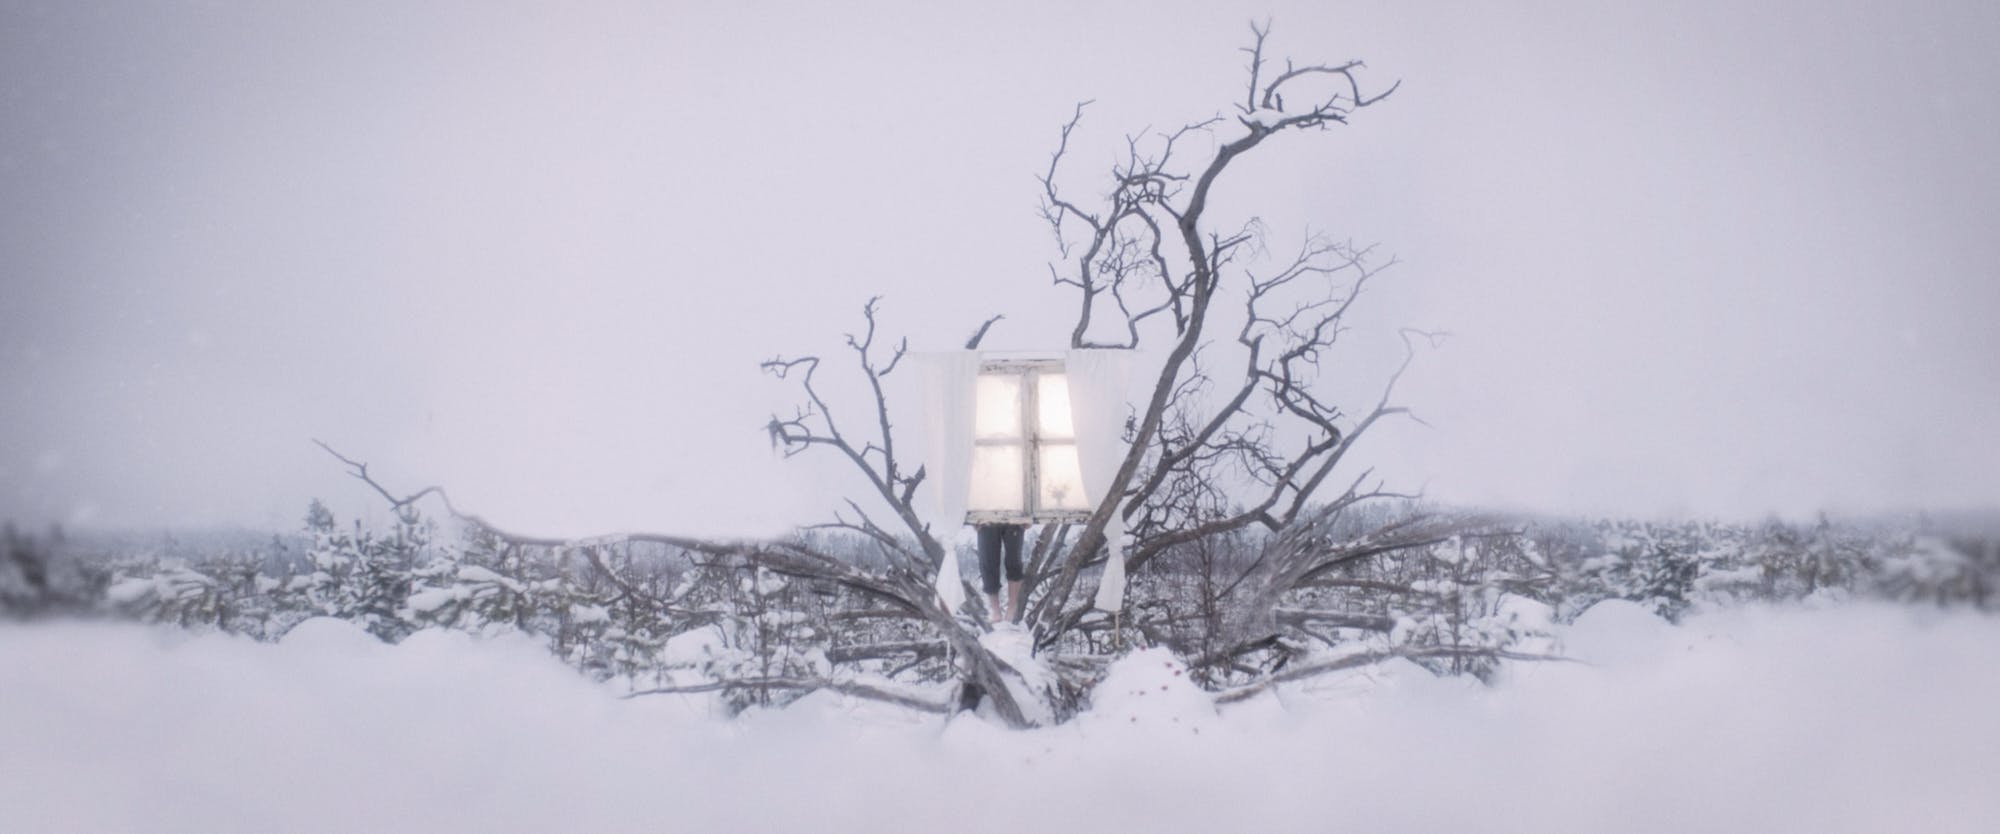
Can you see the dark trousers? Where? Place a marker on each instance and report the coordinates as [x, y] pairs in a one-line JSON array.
[[993, 538]]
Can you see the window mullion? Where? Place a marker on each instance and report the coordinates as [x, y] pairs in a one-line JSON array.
[[1031, 442]]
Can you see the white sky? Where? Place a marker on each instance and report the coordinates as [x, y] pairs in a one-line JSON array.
[[1695, 258]]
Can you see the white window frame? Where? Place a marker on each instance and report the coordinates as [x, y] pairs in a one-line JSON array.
[[1031, 442]]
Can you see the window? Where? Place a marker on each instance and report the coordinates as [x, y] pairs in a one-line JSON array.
[[1024, 461]]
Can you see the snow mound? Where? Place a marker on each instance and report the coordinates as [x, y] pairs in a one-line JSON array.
[[1150, 690], [1015, 647], [694, 647], [1852, 719], [1617, 632], [330, 634], [443, 642]]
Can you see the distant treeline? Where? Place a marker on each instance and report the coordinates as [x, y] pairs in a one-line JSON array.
[[654, 616]]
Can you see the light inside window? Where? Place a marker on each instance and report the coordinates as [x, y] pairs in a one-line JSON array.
[[1024, 460], [1061, 479], [996, 479], [998, 407], [1052, 397]]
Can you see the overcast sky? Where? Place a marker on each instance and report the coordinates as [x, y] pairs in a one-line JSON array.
[[1695, 258]]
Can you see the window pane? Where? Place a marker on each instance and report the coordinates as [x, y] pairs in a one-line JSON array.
[[999, 409], [1062, 479], [1052, 395], [996, 479]]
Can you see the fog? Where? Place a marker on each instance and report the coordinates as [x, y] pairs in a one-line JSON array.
[[1693, 258]]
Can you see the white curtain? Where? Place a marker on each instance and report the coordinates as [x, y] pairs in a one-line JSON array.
[[1097, 384], [948, 380]]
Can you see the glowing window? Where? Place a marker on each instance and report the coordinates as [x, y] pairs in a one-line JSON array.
[[1024, 460]]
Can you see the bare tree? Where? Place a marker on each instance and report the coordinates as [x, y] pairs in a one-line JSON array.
[[1218, 448], [904, 587], [1214, 450]]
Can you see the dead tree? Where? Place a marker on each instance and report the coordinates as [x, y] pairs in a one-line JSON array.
[[1216, 448], [913, 551], [905, 586], [1223, 446]]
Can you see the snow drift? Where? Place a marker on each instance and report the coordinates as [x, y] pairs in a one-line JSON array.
[[1852, 718]]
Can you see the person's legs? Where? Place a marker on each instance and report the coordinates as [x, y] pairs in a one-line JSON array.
[[1012, 540], [990, 537]]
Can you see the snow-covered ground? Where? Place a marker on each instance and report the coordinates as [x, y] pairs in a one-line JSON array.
[[1851, 718]]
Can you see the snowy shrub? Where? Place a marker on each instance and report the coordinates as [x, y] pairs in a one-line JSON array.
[[1934, 569], [167, 593], [1458, 605], [1653, 565], [38, 577], [24, 573], [229, 592], [362, 577], [658, 618]]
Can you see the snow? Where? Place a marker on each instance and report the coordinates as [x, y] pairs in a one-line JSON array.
[[1264, 117], [475, 573], [1811, 718], [1014, 646], [331, 636], [432, 600], [171, 584], [1149, 692], [129, 590], [1617, 631], [693, 647]]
